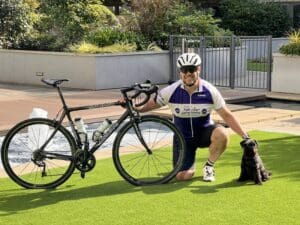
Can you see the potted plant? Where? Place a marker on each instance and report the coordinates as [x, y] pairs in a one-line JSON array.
[[286, 66]]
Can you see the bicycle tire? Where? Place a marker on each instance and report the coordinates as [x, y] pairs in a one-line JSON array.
[[17, 151], [160, 166]]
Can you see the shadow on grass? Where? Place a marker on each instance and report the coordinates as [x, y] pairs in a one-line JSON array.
[[30, 199], [208, 189]]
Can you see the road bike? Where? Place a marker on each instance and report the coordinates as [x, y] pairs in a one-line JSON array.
[[43, 153]]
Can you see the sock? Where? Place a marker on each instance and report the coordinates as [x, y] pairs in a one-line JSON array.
[[209, 163]]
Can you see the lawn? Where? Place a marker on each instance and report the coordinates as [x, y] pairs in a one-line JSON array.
[[257, 66], [103, 197]]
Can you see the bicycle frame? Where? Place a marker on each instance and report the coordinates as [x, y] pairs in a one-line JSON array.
[[67, 113]]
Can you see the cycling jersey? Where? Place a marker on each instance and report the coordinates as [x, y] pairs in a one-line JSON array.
[[191, 112]]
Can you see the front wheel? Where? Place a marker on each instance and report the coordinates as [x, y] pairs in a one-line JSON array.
[[31, 167], [141, 167]]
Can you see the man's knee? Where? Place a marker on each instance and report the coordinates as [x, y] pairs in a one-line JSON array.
[[220, 135], [185, 175]]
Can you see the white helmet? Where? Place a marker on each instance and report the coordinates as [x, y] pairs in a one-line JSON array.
[[188, 59]]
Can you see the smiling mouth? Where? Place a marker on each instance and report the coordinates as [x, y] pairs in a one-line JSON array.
[[191, 83]]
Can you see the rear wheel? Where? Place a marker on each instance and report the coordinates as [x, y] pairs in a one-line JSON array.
[[32, 168], [140, 167]]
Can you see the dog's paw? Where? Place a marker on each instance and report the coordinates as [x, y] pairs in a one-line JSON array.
[[266, 175], [269, 173], [258, 182]]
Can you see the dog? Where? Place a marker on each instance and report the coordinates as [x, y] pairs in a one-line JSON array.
[[252, 167]]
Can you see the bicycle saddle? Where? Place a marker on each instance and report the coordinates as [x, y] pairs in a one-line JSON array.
[[53, 82]]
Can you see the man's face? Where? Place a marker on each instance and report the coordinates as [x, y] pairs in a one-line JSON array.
[[189, 74]]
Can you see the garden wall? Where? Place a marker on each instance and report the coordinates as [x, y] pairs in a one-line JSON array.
[[285, 77], [85, 71]]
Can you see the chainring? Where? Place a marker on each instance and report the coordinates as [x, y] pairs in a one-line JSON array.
[[84, 161]]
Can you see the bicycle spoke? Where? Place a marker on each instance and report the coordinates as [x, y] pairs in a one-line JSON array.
[[27, 164], [151, 167]]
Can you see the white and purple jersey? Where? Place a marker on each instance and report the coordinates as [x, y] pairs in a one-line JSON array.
[[191, 112]]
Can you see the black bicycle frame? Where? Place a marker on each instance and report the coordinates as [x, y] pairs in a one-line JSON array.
[[67, 113]]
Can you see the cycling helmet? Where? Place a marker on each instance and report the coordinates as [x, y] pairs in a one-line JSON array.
[[188, 59]]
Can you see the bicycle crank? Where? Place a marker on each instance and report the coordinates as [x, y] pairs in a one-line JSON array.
[[84, 161]]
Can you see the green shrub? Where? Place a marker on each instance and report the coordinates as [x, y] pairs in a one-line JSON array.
[[61, 23], [110, 36], [153, 47], [172, 17], [253, 17], [294, 37], [293, 47], [184, 19], [14, 22], [290, 49], [120, 47], [84, 48], [93, 49]]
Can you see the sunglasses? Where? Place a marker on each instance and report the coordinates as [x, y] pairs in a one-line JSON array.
[[190, 69]]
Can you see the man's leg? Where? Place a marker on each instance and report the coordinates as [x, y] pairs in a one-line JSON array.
[[188, 169], [219, 140], [185, 174]]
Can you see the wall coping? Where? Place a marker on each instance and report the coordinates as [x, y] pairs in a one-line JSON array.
[[283, 55], [82, 54]]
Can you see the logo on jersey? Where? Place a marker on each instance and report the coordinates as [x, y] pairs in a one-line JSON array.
[[177, 110], [204, 111]]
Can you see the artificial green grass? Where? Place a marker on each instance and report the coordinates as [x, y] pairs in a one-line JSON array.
[[103, 197]]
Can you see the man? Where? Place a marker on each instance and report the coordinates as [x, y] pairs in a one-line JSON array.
[[191, 100]]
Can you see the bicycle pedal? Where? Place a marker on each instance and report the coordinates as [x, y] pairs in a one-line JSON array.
[[82, 175]]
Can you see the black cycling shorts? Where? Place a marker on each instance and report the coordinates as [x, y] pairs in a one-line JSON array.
[[201, 140]]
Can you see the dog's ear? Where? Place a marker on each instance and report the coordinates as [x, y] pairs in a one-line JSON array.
[[255, 142], [242, 143]]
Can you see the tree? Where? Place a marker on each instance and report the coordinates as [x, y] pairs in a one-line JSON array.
[[151, 15], [14, 22], [63, 23], [158, 19], [251, 17]]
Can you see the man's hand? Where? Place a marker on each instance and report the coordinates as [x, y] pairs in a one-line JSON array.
[[122, 102], [246, 136]]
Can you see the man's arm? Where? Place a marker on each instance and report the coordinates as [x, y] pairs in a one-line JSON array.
[[231, 121]]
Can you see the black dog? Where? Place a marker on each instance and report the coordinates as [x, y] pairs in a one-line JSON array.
[[252, 167]]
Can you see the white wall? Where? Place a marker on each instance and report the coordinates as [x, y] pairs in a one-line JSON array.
[[286, 75], [124, 69], [86, 71]]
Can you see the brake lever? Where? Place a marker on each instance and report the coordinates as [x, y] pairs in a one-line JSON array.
[[153, 89]]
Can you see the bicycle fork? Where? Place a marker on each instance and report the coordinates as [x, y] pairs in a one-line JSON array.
[[141, 138]]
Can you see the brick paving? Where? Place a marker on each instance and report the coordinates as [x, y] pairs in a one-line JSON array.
[[17, 102]]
